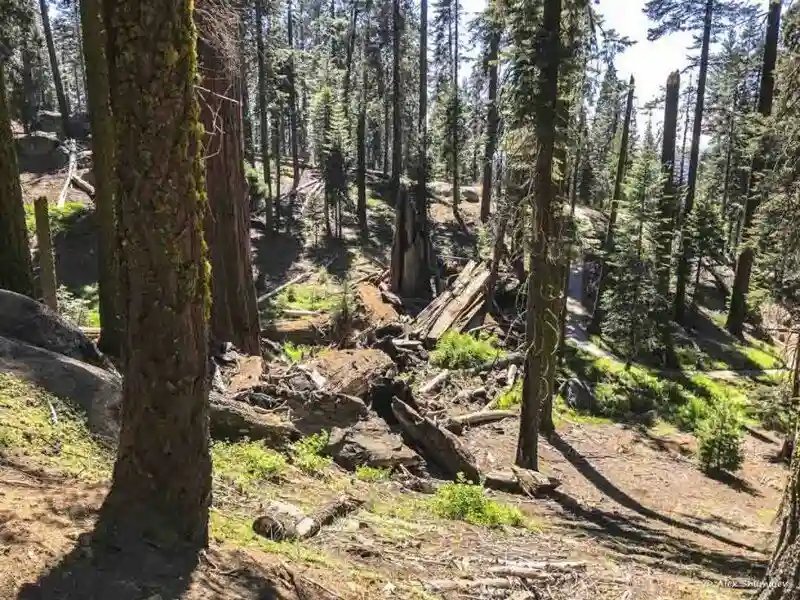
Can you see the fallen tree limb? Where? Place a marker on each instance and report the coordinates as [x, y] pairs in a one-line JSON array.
[[515, 358], [283, 286], [73, 164], [236, 420], [284, 521], [467, 395], [457, 424], [84, 186], [435, 383], [437, 445], [521, 481], [465, 585], [536, 570]]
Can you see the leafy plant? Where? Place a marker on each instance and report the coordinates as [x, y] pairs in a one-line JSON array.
[[246, 463], [464, 501], [720, 440], [367, 473], [511, 397], [307, 455], [461, 350]]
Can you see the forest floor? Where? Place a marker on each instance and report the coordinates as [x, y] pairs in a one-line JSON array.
[[634, 509]]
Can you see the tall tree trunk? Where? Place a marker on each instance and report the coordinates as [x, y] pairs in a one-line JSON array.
[[28, 91], [262, 115], [247, 117], [681, 179], [667, 208], [456, 113], [277, 136], [351, 46], [234, 316], [492, 119], [361, 132], [47, 264], [542, 324], [421, 195], [80, 77], [397, 103], [694, 160], [386, 127], [16, 273], [744, 266], [63, 104], [726, 181], [162, 478], [103, 150], [292, 100], [608, 242]]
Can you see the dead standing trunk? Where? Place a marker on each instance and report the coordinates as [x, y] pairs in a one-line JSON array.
[[161, 487], [744, 266], [234, 316]]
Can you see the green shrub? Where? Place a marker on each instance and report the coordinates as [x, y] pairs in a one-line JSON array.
[[720, 440], [462, 350], [246, 463], [511, 397], [307, 454], [366, 473], [692, 414], [463, 501], [610, 401], [82, 308]]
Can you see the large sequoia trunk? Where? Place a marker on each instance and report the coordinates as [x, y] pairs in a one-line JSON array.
[[234, 315], [162, 478], [99, 103], [543, 283], [15, 257], [744, 266]]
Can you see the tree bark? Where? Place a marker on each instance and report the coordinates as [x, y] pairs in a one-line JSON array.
[[29, 102], [456, 112], [262, 116], [103, 148], [47, 265], [694, 161], [744, 266], [234, 315], [292, 100], [667, 209], [16, 273], [247, 117], [608, 242], [63, 103], [361, 132], [541, 324], [492, 120], [162, 478]]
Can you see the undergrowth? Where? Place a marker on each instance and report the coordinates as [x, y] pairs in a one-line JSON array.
[[306, 454], [60, 218], [372, 474], [468, 502], [247, 463], [461, 350], [38, 427], [511, 397], [297, 353], [82, 308]]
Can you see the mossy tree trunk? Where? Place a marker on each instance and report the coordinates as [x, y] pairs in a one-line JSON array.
[[234, 315], [103, 149], [15, 257], [543, 281], [162, 478]]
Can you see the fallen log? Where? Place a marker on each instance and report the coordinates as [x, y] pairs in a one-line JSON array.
[[457, 424], [237, 420], [436, 445], [307, 331], [536, 570], [84, 186], [469, 395], [284, 285], [515, 358], [521, 481], [73, 164], [466, 585], [435, 383], [284, 521]]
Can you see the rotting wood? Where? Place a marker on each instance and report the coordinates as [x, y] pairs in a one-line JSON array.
[[466, 585], [483, 417], [435, 383], [284, 521], [521, 481], [516, 358], [469, 395], [307, 331], [83, 185], [437, 445]]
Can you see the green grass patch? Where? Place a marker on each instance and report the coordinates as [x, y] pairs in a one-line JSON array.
[[511, 397], [299, 352], [60, 218], [247, 463], [372, 474], [463, 501], [306, 454], [321, 296], [462, 350], [29, 432], [762, 355]]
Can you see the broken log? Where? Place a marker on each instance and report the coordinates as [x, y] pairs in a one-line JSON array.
[[307, 331], [284, 521], [436, 445], [73, 164], [469, 395], [84, 186], [435, 383], [457, 424], [521, 481], [378, 312], [466, 585], [234, 420], [515, 358]]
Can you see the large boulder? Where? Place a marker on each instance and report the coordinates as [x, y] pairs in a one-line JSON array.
[[371, 443], [40, 152], [26, 320], [96, 391]]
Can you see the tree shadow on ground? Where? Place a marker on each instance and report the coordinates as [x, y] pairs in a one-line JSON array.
[[274, 256], [605, 486], [75, 248]]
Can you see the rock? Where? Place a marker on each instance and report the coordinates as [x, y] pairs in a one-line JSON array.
[[379, 313], [469, 195], [578, 395], [40, 152], [249, 372], [34, 323], [96, 391], [370, 443], [351, 371]]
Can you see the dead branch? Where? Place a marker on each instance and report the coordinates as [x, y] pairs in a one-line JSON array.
[[457, 424], [83, 185], [435, 383], [73, 164]]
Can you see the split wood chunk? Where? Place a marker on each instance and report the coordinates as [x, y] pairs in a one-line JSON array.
[[284, 521]]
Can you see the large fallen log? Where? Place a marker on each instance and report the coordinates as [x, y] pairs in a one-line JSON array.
[[284, 521], [437, 445], [428, 316], [521, 481], [230, 419], [306, 331]]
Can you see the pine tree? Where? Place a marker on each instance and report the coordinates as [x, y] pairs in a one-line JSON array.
[[263, 118], [63, 104], [490, 64], [161, 486]]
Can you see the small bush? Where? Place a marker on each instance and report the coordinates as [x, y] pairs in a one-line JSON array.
[[246, 463], [611, 401], [720, 440], [467, 502], [366, 473], [307, 454], [82, 309], [510, 398], [462, 350], [691, 415]]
